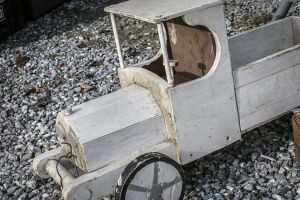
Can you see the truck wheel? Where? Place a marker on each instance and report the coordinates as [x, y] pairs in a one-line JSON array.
[[152, 176]]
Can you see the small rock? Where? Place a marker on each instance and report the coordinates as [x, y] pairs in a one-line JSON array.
[[31, 184], [12, 189], [248, 187]]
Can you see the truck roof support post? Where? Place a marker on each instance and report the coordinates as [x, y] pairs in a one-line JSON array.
[[116, 35], [164, 50]]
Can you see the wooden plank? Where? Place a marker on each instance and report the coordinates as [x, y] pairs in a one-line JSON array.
[[129, 108], [205, 110], [265, 67], [105, 102], [156, 11], [261, 42], [275, 81], [113, 126], [273, 97], [104, 150]]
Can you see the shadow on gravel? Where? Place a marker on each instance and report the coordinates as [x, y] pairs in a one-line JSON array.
[[61, 20]]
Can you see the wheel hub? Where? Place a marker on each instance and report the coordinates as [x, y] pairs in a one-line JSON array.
[[156, 192]]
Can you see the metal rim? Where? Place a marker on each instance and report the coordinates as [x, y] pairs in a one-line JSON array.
[[142, 163]]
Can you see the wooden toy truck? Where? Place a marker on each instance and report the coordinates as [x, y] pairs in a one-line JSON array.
[[197, 95]]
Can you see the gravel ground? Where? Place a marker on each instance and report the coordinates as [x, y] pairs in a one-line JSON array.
[[68, 57]]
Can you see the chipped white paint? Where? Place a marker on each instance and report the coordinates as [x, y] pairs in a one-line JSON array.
[[159, 89], [156, 11], [261, 42], [205, 110], [274, 79], [108, 125]]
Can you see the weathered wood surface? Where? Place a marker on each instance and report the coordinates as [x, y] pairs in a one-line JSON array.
[[205, 109], [261, 42], [159, 90], [268, 88], [102, 181], [113, 126], [156, 11]]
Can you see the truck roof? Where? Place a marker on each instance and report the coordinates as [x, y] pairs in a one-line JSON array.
[[156, 11]]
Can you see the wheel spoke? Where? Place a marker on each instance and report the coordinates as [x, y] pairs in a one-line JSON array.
[[137, 188], [155, 174], [170, 184]]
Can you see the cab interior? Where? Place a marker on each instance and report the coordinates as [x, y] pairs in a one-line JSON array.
[[192, 48]]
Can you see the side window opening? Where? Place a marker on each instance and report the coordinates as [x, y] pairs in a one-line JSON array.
[[192, 49]]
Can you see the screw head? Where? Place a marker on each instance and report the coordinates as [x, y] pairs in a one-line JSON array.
[[83, 194], [68, 112]]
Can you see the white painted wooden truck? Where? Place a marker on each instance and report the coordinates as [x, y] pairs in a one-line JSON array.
[[197, 95]]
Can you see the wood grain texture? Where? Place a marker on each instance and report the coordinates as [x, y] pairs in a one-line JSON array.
[[268, 88], [205, 110], [261, 42], [156, 11], [113, 126], [159, 89], [267, 66]]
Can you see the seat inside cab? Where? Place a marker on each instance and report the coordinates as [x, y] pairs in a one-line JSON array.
[[192, 47]]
